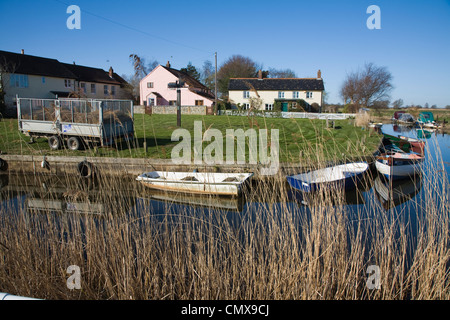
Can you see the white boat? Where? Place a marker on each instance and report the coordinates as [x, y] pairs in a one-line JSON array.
[[346, 175], [397, 165], [228, 184]]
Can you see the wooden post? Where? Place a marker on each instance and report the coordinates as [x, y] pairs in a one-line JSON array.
[[178, 107]]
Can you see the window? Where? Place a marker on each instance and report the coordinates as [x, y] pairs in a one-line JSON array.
[[83, 87], [105, 89], [151, 101], [18, 80], [280, 94], [295, 95], [172, 102], [93, 88], [246, 94], [149, 84], [113, 90], [198, 102], [43, 79], [309, 94], [67, 83], [269, 107], [246, 106]]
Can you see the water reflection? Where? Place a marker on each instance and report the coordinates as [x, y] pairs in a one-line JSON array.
[[393, 193]]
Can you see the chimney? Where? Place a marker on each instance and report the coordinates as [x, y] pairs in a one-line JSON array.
[[168, 64], [319, 74], [22, 51], [111, 71], [260, 76], [74, 63]]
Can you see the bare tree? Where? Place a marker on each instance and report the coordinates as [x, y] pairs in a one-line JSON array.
[[141, 68], [397, 104], [207, 74], [364, 88]]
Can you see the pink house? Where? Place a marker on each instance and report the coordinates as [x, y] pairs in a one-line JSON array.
[[154, 89]]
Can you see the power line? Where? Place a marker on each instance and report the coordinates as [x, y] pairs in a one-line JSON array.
[[137, 30]]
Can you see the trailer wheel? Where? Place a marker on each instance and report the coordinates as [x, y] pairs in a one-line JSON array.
[[73, 143], [54, 142]]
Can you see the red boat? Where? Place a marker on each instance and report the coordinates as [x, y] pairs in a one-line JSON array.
[[417, 146]]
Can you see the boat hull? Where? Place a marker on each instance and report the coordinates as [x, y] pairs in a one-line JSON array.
[[397, 172], [201, 183], [310, 182]]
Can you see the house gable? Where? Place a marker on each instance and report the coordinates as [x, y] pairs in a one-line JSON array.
[[155, 85]]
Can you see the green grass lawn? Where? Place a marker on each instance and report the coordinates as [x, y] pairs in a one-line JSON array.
[[299, 139]]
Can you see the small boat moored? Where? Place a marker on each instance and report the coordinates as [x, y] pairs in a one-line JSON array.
[[227, 184], [426, 119], [397, 165], [400, 143], [417, 146], [345, 175]]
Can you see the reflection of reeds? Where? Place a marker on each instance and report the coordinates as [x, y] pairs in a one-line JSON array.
[[275, 249]]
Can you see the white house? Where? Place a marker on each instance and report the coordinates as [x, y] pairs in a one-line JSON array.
[[36, 77], [291, 94]]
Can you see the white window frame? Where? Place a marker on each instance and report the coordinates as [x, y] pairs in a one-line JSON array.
[[149, 84], [113, 90], [18, 80], [280, 94], [83, 87], [105, 89], [246, 94], [68, 83], [269, 106], [93, 88], [309, 94], [295, 95]]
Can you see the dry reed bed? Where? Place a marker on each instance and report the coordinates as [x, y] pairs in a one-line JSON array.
[[275, 248]]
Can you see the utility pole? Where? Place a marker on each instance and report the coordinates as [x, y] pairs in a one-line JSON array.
[[215, 87]]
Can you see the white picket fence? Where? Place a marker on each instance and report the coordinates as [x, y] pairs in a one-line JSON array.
[[299, 115]]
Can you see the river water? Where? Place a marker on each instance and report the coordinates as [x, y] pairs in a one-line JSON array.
[[62, 195]]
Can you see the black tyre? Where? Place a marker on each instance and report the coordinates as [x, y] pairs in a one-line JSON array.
[[85, 169], [74, 143], [54, 142]]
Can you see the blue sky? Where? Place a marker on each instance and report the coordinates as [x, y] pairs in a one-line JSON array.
[[413, 42]]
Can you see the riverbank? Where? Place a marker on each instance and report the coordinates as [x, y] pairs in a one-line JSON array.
[[300, 140], [76, 166]]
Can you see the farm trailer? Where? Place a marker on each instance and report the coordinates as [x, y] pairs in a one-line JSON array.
[[76, 122]]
